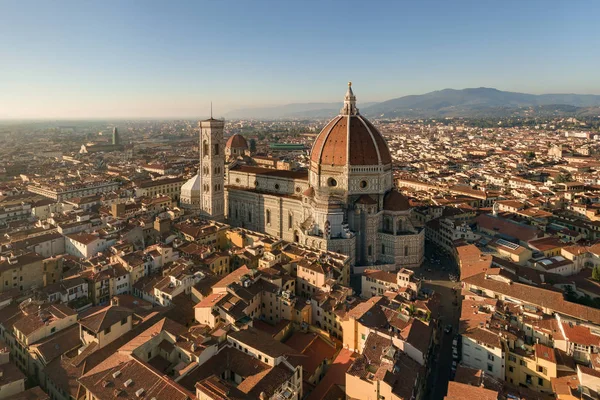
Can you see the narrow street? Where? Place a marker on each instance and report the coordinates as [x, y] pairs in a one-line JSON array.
[[436, 277]]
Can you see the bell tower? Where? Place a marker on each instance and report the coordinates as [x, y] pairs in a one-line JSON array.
[[212, 164]]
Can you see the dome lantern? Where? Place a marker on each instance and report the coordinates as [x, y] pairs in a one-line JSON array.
[[349, 102]]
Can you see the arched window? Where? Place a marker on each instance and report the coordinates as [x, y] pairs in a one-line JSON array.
[[369, 250], [268, 216], [204, 148]]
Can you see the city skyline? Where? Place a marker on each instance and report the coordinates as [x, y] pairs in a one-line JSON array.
[[148, 60]]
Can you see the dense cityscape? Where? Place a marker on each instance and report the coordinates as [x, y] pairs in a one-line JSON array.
[[300, 259], [279, 200]]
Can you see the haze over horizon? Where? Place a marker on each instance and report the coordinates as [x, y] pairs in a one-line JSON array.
[[74, 60]]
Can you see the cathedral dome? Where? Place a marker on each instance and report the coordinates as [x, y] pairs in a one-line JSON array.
[[395, 201], [237, 141], [350, 139]]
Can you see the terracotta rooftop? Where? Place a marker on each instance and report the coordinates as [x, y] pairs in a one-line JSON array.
[[105, 318], [336, 375], [472, 261], [507, 227], [542, 297], [300, 175], [103, 382], [461, 391], [261, 341], [313, 349]]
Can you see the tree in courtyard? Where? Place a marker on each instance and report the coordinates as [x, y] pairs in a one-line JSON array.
[[596, 273]]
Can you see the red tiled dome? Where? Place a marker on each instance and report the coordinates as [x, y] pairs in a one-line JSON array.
[[367, 146], [350, 139], [237, 141], [395, 201]]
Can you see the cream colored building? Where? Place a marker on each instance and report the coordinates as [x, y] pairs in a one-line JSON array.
[[29, 322], [105, 325], [60, 191], [29, 271], [12, 380], [376, 283], [532, 366], [164, 186], [345, 202]]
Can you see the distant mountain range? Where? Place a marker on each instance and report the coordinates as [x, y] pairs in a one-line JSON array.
[[475, 102], [297, 110]]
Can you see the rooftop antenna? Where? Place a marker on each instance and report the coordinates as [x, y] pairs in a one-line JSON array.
[[211, 110]]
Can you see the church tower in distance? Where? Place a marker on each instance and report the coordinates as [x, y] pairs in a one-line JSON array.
[[212, 164]]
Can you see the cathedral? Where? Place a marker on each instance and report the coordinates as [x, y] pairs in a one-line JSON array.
[[344, 202]]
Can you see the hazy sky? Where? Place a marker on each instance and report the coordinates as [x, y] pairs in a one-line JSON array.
[[80, 59]]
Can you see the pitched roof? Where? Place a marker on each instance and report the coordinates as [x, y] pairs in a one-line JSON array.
[[102, 383], [472, 261], [262, 342], [233, 277], [57, 344], [541, 297], [105, 318], [85, 238], [381, 275], [461, 391], [336, 375], [314, 351], [35, 393], [507, 227], [33, 318]]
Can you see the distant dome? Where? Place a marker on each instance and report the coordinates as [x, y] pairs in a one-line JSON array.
[[350, 139], [237, 141], [395, 201]]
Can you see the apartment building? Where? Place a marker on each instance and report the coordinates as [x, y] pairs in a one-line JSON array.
[[60, 192], [28, 271], [164, 187]]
